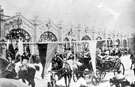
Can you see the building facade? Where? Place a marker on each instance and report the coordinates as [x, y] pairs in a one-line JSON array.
[[37, 31]]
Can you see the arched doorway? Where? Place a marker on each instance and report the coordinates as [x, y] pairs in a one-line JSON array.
[[48, 36], [124, 43], [117, 42], [15, 34], [67, 44], [86, 37], [98, 38], [85, 45], [109, 42]]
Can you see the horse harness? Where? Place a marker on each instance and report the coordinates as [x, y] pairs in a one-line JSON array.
[[6, 68], [64, 67]]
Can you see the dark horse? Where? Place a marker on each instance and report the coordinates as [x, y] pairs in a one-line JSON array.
[[7, 69], [82, 66], [132, 59], [62, 69], [27, 72]]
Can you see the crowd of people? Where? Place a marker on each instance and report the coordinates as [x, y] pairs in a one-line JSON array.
[[16, 50]]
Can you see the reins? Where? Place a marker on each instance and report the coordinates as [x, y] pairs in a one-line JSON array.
[[5, 68]]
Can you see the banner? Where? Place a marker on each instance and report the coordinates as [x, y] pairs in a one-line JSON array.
[[92, 48], [46, 53], [100, 43]]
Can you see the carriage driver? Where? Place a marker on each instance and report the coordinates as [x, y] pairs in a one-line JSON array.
[[68, 53]]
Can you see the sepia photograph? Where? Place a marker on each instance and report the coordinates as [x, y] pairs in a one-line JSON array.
[[67, 43]]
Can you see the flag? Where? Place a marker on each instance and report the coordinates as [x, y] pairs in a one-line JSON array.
[[46, 53], [93, 45], [92, 49], [100, 43]]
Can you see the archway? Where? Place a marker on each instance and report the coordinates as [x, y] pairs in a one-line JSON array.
[[86, 37], [48, 36], [85, 45], [118, 42], [109, 42], [99, 38], [124, 43], [15, 34], [67, 44]]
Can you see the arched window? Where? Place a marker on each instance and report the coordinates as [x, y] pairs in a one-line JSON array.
[[48, 36], [86, 37], [85, 45], [67, 44], [98, 38], [118, 42], [109, 42], [17, 33], [124, 43]]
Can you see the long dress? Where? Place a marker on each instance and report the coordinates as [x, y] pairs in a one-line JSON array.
[[20, 48]]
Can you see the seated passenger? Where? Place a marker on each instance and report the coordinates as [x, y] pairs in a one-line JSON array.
[[99, 57]]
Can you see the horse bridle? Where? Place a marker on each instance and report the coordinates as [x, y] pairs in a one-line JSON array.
[[61, 68]]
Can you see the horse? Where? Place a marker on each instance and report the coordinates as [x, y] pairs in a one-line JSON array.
[[4, 82], [61, 69], [80, 65], [27, 72], [7, 69]]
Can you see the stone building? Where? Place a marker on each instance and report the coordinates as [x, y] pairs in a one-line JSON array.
[[38, 31]]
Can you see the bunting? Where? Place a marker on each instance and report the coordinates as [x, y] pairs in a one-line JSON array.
[[46, 53], [92, 49]]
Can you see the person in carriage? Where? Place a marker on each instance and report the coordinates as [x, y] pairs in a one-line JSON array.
[[116, 51], [132, 57], [100, 56]]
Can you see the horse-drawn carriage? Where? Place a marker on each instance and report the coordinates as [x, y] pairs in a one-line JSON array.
[[111, 63], [82, 67], [77, 65]]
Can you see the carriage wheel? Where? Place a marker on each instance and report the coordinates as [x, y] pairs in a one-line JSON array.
[[103, 74], [98, 74], [95, 80], [119, 67], [75, 77]]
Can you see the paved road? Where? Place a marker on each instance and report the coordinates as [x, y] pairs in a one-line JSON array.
[[104, 83]]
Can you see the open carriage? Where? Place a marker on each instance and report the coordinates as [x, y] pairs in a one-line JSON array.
[[88, 65]]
